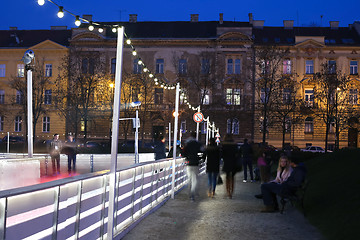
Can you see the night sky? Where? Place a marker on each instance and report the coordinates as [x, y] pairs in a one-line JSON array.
[[27, 14]]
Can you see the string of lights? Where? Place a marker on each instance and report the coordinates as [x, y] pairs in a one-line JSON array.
[[100, 27]]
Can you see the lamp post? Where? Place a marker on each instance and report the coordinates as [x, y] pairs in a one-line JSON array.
[[28, 57]]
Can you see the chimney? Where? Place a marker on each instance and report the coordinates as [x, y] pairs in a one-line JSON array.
[[194, 17], [13, 28], [133, 18], [221, 18], [58, 27], [87, 17], [334, 25], [288, 24], [258, 24], [251, 20]]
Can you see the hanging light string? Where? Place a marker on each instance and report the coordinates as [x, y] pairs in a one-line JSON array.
[[158, 82]]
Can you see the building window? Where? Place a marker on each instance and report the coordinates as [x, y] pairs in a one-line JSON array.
[[46, 124], [233, 66], [159, 95], [205, 66], [287, 66], [182, 66], [287, 124], [113, 66], [286, 95], [137, 68], [265, 65], [264, 95], [47, 97], [135, 92], [19, 97], [1, 123], [183, 126], [48, 70], [332, 66], [353, 96], [160, 65], [204, 127], [205, 97], [309, 97], [20, 70], [309, 125], [230, 66], [232, 126], [309, 67], [233, 96], [2, 70], [2, 96], [88, 65], [332, 126], [353, 67], [18, 122]]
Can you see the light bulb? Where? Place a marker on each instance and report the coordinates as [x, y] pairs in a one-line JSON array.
[[101, 30], [60, 13], [128, 41], [77, 21], [140, 62], [134, 53], [151, 75], [145, 69], [91, 27], [114, 30], [41, 2]]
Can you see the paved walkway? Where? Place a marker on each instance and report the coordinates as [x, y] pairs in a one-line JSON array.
[[222, 218]]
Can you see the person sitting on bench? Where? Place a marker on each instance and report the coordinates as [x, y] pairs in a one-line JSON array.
[[288, 187]]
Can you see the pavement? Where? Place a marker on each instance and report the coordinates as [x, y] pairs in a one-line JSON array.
[[223, 218]]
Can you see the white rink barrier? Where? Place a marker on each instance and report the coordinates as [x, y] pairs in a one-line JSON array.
[[77, 207]]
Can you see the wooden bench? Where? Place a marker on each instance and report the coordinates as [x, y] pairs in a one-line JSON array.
[[297, 197]]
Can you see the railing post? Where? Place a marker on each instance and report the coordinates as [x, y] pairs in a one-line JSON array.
[[56, 212], [78, 207], [3, 211]]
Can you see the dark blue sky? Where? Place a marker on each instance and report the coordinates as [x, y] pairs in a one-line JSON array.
[[27, 14]]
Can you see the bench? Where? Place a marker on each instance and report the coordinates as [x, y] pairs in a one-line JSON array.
[[297, 197]]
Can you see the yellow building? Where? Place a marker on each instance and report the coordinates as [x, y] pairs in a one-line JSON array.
[[50, 47]]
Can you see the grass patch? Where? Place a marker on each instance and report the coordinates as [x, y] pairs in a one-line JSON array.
[[332, 200]]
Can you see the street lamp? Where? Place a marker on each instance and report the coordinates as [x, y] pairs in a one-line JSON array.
[[28, 58]]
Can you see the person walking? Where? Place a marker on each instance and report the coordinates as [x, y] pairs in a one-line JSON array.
[[213, 155], [247, 155], [230, 155], [55, 149], [159, 148], [70, 151], [191, 153]]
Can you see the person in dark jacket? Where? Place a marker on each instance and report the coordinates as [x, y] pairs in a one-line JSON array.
[[230, 155], [70, 151], [247, 158], [159, 148], [213, 155], [288, 187], [191, 153]]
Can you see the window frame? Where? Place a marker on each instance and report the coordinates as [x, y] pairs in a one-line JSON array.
[[309, 125], [137, 68], [287, 66], [158, 95], [354, 67], [160, 62], [182, 66], [18, 124], [46, 124], [2, 96], [309, 68], [309, 97], [2, 70], [353, 96], [112, 65], [48, 70], [20, 70], [233, 96], [47, 96]]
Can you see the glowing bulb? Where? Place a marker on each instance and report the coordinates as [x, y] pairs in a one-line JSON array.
[[140, 62], [60, 13], [114, 30], [145, 69], [100, 30], [128, 41], [41, 2], [151, 75], [156, 83], [77, 21], [134, 53], [91, 27], [155, 79]]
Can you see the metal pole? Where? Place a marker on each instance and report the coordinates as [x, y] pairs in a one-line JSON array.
[[8, 142], [197, 126], [207, 131], [213, 130], [137, 137], [175, 138], [169, 135], [29, 114], [115, 133]]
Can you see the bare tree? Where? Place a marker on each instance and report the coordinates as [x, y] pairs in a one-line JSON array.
[[269, 61], [331, 108]]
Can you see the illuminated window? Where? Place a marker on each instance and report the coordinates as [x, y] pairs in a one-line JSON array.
[[20, 70], [2, 70], [353, 67], [309, 67], [353, 96], [233, 96], [309, 125], [48, 70], [309, 97], [287, 66]]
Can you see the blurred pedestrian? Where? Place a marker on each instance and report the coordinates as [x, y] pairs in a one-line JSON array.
[[247, 158], [230, 155], [159, 148], [70, 151], [213, 155], [54, 150], [191, 153]]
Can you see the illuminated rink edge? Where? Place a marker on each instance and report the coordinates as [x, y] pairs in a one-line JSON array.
[[77, 208]]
